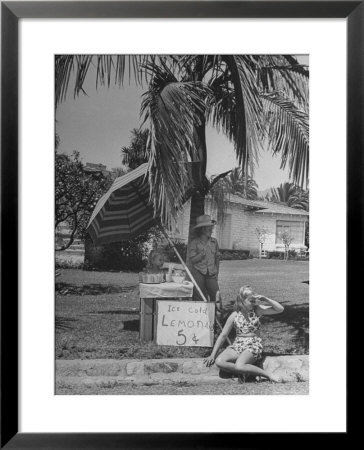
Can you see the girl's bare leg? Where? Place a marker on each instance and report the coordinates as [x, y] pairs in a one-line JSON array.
[[226, 360], [240, 365], [244, 365]]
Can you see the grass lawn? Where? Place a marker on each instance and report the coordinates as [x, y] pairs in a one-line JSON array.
[[97, 313]]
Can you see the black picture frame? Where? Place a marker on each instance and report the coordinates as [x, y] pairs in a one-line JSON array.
[[11, 12]]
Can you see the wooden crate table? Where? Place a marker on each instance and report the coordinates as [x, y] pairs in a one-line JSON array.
[[149, 294]]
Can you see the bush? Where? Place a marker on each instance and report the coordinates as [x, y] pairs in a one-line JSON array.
[[171, 254], [228, 255], [292, 254], [129, 255], [113, 257], [275, 255]]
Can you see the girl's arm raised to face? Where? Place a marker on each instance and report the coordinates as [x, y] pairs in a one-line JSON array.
[[273, 308]]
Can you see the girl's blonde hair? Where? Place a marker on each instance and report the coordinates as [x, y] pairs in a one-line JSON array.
[[244, 292]]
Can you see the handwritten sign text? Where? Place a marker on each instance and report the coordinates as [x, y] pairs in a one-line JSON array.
[[185, 323]]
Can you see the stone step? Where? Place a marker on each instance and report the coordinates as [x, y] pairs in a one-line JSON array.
[[288, 368], [155, 378]]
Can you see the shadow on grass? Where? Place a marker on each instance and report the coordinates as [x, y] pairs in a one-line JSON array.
[[294, 316], [118, 311], [131, 325], [64, 323], [92, 289]]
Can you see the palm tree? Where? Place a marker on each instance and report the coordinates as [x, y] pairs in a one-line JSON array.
[[238, 184], [290, 195], [135, 154], [231, 182], [253, 100], [300, 199], [282, 193]]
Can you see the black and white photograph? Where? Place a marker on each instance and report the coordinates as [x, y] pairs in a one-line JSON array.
[[181, 224]]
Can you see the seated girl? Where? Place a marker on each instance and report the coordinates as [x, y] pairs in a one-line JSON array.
[[240, 357], [155, 262]]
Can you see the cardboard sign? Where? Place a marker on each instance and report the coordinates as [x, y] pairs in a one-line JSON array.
[[185, 323]]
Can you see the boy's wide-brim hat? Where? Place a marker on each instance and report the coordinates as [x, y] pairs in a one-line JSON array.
[[204, 221]]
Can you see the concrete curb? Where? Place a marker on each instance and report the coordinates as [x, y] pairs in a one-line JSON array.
[[99, 371]]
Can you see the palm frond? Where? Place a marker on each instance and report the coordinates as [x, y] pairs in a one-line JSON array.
[[237, 108], [280, 73], [288, 135], [106, 68], [171, 110], [299, 199], [64, 67], [291, 195], [239, 184], [215, 179], [82, 66], [198, 67], [283, 192], [253, 111], [295, 66]]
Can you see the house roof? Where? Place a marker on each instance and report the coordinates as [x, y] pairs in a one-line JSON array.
[[277, 208], [261, 206], [251, 204]]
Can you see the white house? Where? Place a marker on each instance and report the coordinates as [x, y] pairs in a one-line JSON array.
[[243, 217]]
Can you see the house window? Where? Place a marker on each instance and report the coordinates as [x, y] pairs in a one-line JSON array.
[[295, 229]]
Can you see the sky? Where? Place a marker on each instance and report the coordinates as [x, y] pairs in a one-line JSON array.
[[98, 125]]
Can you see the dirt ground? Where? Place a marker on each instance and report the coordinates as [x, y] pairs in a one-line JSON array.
[[184, 388]]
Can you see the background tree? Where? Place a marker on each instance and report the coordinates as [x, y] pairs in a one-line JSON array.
[[76, 194], [57, 141], [136, 153], [307, 235], [291, 195], [287, 240], [238, 184], [231, 182], [261, 233], [251, 98], [300, 199]]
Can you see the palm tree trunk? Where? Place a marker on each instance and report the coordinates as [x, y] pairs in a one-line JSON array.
[[197, 209], [199, 181]]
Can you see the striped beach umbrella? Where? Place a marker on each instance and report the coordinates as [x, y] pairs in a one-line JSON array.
[[123, 212]]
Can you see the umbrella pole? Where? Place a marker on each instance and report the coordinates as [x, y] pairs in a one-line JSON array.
[[187, 270], [183, 263]]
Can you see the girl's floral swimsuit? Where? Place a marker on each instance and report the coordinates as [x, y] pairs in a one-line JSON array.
[[243, 326]]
